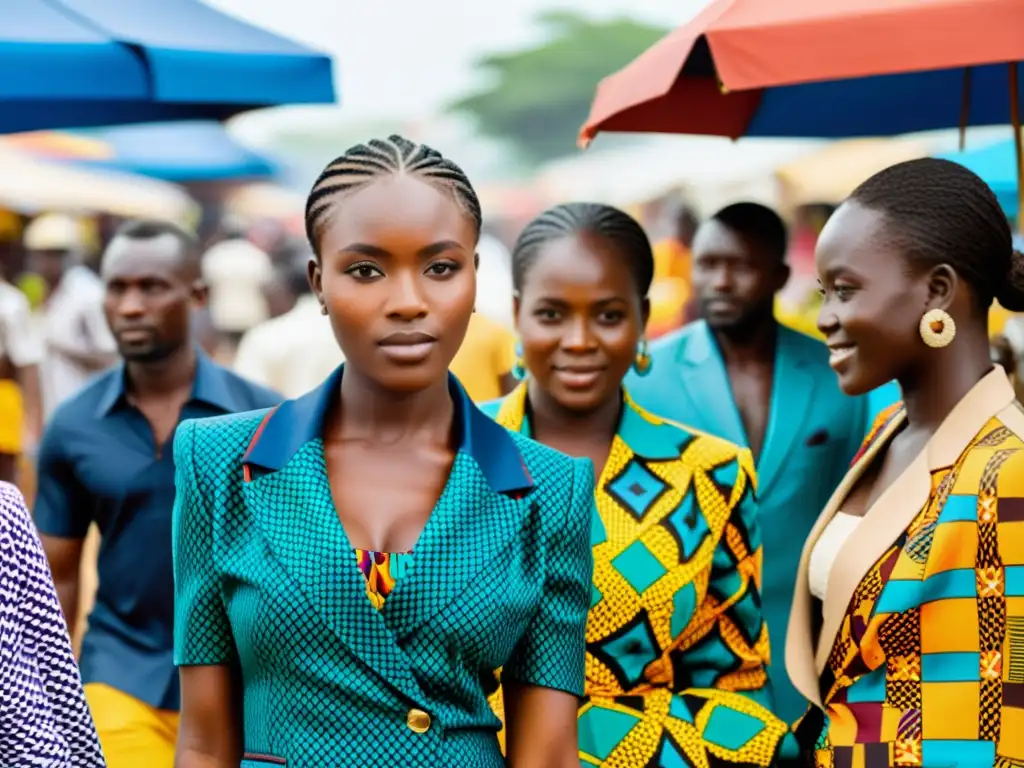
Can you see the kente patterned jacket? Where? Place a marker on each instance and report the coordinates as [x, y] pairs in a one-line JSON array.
[[916, 656], [44, 719], [676, 646]]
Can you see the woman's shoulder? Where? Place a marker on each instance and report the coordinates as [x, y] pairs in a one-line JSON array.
[[218, 439], [996, 453], [546, 466], [655, 437]]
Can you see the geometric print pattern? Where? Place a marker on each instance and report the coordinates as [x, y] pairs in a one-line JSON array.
[[266, 580], [676, 646], [927, 668], [44, 718]]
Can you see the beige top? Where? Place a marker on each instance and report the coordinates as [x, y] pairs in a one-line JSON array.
[[890, 514], [825, 551]]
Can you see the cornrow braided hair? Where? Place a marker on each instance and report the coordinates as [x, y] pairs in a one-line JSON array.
[[365, 163], [939, 212], [568, 219]]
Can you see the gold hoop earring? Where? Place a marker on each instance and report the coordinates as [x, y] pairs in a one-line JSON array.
[[937, 328]]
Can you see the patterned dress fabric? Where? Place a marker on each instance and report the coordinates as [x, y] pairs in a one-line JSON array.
[[927, 666], [676, 646], [381, 570], [266, 580], [44, 719]]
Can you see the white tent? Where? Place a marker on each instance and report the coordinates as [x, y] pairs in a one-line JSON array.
[[710, 171], [31, 185]]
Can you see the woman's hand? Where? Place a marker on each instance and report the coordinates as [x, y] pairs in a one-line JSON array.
[[540, 727]]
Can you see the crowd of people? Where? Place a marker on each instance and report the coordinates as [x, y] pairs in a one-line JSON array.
[[346, 516]]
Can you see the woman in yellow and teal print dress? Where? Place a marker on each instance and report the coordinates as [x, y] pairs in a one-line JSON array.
[[677, 649]]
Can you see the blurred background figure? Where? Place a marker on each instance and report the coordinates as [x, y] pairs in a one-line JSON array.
[[105, 461], [236, 272], [671, 289], [485, 360], [78, 343], [494, 279], [21, 352], [295, 350]]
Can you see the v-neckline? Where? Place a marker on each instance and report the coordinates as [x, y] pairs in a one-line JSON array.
[[425, 536]]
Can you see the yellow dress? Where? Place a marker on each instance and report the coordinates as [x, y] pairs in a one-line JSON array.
[[487, 353], [677, 648]]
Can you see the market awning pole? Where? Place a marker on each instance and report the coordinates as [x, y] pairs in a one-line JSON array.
[[1018, 143]]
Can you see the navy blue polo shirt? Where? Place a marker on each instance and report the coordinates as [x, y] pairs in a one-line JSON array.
[[99, 462]]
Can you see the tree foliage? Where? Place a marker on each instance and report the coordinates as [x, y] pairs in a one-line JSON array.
[[539, 96]]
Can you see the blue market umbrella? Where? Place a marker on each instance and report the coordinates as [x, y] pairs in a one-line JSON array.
[[180, 152], [74, 63], [997, 165]]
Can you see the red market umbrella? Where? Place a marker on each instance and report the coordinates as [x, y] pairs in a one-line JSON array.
[[831, 69]]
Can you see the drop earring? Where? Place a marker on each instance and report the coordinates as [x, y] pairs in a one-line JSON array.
[[519, 367], [643, 362]]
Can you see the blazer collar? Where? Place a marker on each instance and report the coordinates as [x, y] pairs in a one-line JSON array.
[[296, 422], [889, 516], [705, 382]]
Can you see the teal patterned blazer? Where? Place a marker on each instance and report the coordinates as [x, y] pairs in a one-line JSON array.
[[266, 580]]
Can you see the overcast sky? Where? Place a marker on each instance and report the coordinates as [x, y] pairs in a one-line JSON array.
[[408, 57]]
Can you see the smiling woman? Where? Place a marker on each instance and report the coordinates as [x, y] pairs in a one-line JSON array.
[[904, 633], [677, 649], [355, 564]]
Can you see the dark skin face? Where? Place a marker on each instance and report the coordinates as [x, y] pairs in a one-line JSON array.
[[151, 290], [580, 317], [873, 301], [735, 278], [399, 290]]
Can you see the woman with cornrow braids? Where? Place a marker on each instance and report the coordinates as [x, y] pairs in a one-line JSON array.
[[353, 566]]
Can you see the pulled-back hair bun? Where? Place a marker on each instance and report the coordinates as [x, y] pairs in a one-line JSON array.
[[1010, 293]]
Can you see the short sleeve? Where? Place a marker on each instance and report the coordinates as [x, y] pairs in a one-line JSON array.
[[552, 653], [63, 506], [202, 634]]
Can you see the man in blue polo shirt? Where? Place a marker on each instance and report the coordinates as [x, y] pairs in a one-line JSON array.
[[106, 458]]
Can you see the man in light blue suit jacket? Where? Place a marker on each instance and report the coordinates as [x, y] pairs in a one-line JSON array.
[[740, 375]]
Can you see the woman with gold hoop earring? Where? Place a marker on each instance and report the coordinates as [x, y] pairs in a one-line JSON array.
[[677, 648], [907, 628]]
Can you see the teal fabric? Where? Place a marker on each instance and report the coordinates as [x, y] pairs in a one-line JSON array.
[[265, 580], [881, 398], [674, 589], [814, 431]]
